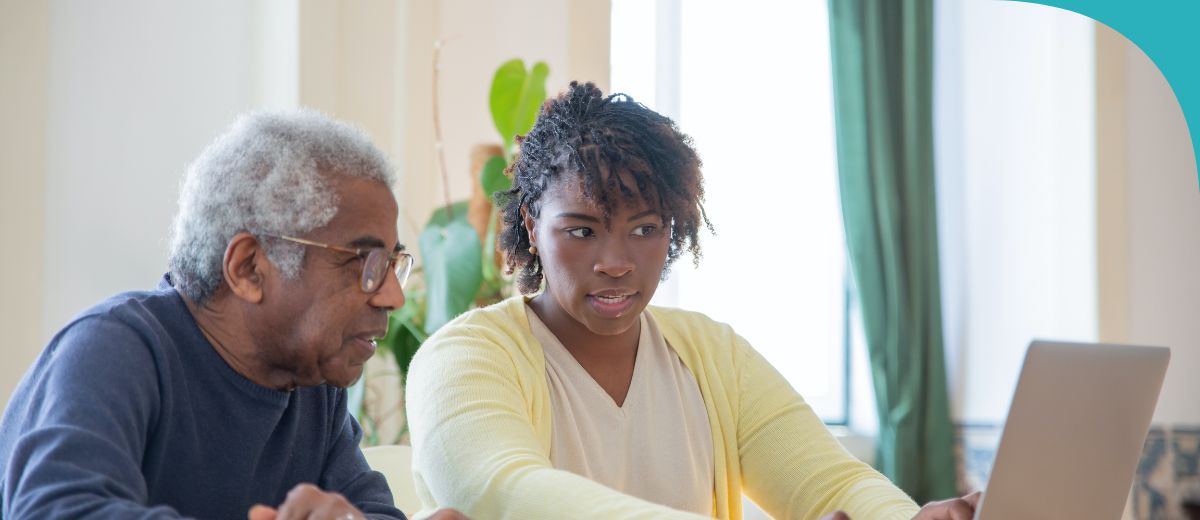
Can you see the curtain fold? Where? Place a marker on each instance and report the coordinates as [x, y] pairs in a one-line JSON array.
[[883, 90]]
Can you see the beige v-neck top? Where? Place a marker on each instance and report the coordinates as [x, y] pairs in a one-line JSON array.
[[657, 446]]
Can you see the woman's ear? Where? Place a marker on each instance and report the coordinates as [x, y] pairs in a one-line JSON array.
[[530, 225]]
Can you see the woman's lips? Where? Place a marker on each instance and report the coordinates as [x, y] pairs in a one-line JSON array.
[[611, 305]]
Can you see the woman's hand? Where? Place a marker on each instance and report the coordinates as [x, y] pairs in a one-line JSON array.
[[953, 509]]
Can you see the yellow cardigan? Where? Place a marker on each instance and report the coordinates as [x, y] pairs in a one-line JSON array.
[[479, 412]]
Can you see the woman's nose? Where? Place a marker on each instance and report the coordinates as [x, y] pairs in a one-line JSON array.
[[614, 262]]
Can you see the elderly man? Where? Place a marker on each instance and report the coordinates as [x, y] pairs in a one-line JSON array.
[[220, 394]]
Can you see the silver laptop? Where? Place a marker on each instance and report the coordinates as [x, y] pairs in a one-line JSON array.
[[1074, 432]]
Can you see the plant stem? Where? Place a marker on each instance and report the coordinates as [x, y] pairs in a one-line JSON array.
[[490, 273], [437, 130]]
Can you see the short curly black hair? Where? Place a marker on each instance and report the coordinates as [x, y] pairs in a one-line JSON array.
[[584, 133]]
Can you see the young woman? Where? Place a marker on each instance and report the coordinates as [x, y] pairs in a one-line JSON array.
[[581, 401]]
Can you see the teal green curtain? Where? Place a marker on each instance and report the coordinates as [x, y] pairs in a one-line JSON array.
[[883, 89]]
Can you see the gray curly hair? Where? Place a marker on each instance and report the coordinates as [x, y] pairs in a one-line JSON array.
[[269, 174]]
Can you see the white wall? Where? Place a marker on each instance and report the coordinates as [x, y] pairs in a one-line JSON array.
[[109, 102], [1016, 183], [24, 43], [136, 90], [1163, 231]]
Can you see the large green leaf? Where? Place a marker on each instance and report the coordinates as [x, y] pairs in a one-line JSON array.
[[403, 340], [404, 335], [451, 255], [507, 84], [533, 93], [492, 177], [516, 97]]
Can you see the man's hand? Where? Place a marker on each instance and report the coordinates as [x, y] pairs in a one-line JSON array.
[[953, 509], [308, 501], [448, 514], [836, 515]]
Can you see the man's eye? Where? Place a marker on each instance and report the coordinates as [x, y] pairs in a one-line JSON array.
[[580, 232], [644, 231]]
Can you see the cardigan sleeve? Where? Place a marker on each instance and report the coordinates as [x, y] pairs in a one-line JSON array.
[[476, 447], [792, 466]]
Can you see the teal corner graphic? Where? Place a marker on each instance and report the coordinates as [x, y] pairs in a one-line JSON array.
[[1168, 31]]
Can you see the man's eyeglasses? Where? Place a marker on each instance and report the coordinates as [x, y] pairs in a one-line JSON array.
[[376, 262]]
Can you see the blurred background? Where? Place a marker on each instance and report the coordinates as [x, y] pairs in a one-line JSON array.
[[1067, 195]]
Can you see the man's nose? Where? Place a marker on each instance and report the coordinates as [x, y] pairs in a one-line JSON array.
[[391, 295]]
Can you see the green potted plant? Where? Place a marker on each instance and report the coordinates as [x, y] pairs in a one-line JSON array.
[[458, 267]]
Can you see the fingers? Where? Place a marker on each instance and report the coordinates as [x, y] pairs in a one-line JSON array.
[[953, 509], [960, 510], [260, 512], [448, 514], [973, 499], [836, 515], [298, 502], [308, 501]]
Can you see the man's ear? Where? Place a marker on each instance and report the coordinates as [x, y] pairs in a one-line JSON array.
[[530, 225], [245, 265]]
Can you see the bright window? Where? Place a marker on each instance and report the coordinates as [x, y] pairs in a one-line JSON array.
[[750, 82]]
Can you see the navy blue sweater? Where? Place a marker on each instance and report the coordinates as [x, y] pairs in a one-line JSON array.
[[130, 413]]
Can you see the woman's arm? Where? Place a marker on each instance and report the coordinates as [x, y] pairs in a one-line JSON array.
[[792, 465]]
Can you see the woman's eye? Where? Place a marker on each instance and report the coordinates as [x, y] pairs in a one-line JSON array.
[[645, 230], [581, 232]]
